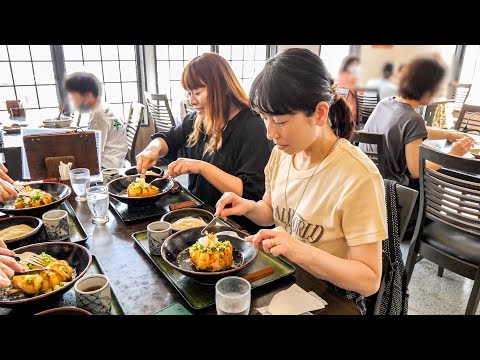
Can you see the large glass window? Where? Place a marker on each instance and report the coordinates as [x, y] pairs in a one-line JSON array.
[[171, 59], [246, 61], [114, 65], [470, 73], [26, 74]]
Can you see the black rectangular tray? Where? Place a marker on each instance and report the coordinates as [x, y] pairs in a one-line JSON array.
[[199, 295], [129, 215], [68, 299], [77, 231]]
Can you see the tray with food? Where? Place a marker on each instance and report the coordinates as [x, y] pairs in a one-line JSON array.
[[193, 262], [177, 197], [19, 231], [67, 303]]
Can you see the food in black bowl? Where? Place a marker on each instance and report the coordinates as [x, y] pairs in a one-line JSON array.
[[187, 218], [182, 251], [19, 230], [67, 262], [154, 170], [41, 198], [119, 189]]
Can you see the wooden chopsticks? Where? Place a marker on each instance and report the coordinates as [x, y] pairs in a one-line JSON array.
[[260, 274]]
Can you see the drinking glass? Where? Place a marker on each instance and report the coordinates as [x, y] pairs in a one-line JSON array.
[[97, 200], [232, 296], [80, 180]]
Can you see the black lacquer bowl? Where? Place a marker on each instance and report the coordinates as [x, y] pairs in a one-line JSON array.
[[31, 221], [133, 171], [60, 192], [118, 190], [78, 257], [175, 252]]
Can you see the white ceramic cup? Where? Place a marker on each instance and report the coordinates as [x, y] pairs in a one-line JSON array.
[[157, 232], [56, 225], [93, 293], [109, 175]]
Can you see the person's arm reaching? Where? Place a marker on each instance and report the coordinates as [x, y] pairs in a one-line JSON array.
[[222, 180], [260, 212], [158, 148], [442, 134], [412, 154]]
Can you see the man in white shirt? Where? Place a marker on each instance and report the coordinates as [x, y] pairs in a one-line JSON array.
[[385, 87], [84, 91]]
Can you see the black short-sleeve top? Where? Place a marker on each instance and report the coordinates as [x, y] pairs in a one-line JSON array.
[[245, 152]]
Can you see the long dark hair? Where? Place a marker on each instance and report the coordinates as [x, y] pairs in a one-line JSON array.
[[296, 80]]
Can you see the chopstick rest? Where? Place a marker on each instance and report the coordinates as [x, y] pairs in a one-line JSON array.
[[182, 205]]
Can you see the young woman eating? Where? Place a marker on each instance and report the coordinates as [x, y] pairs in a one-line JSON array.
[[224, 140], [325, 196]]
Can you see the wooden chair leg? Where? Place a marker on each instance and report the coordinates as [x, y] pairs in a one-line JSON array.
[[440, 271], [474, 296]]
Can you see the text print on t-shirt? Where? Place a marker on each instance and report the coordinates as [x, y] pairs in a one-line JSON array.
[[295, 224]]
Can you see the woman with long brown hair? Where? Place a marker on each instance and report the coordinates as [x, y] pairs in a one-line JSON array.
[[224, 140]]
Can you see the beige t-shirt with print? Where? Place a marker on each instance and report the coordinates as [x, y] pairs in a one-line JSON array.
[[343, 205]]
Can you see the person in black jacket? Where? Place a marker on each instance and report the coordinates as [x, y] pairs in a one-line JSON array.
[[224, 140]]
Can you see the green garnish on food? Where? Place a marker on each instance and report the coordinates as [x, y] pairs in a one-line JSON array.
[[29, 280], [63, 268], [30, 266], [61, 284], [45, 257]]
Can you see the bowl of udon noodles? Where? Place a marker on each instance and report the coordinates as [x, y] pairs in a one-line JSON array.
[[187, 218]]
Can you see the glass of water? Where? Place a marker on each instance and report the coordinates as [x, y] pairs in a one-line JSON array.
[[232, 296], [97, 200], [80, 180]]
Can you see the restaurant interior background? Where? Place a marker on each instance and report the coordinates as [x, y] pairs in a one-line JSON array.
[[34, 75]]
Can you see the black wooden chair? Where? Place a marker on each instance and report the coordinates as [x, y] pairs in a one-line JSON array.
[[367, 99], [377, 145], [159, 111], [466, 122], [13, 161], [135, 117], [458, 93], [450, 200], [406, 199]]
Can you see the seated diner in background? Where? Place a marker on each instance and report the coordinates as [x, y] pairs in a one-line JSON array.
[[384, 84], [84, 91], [404, 129], [325, 196], [224, 140]]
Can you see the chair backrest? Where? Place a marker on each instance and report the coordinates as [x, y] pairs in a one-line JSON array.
[[406, 198], [135, 117], [13, 161], [345, 92], [367, 99], [459, 93], [449, 198], [159, 111], [377, 155], [466, 120]]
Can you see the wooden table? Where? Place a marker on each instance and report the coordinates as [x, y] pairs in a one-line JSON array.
[[143, 289]]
